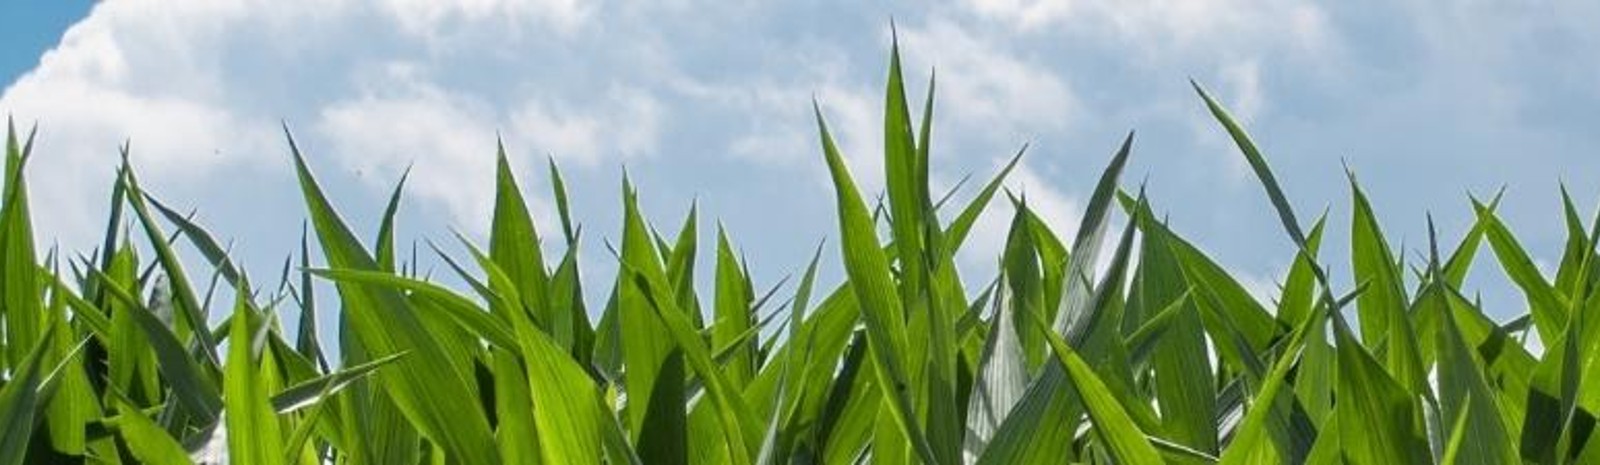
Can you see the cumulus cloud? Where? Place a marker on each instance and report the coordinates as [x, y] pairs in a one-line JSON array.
[[112, 80], [1243, 79], [385, 85], [1169, 25], [434, 17], [989, 89], [714, 101], [444, 136], [790, 137], [405, 121], [625, 122], [374, 88], [200, 87]]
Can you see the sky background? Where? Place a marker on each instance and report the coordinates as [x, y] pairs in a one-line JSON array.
[[710, 102]]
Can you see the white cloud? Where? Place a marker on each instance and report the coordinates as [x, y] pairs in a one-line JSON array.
[[200, 86], [715, 99], [1243, 79], [854, 119], [1170, 25], [434, 17], [403, 119], [987, 94], [1026, 14], [448, 137], [111, 80], [376, 87], [984, 87], [625, 123], [777, 127]]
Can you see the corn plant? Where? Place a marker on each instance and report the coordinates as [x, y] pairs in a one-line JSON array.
[[123, 355]]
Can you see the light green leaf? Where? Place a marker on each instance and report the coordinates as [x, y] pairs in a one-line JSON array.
[[254, 435], [430, 389], [880, 305], [1113, 425]]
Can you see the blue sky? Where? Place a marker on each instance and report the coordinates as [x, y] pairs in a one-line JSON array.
[[710, 101], [33, 30]]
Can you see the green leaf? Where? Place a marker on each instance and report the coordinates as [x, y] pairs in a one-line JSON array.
[[461, 310], [559, 188], [1465, 393], [880, 305], [202, 240], [384, 251], [733, 314], [1299, 288], [20, 401], [1549, 313], [1002, 376], [906, 188], [194, 386], [430, 389], [1458, 436], [124, 339], [771, 450], [1460, 261], [1226, 307], [1112, 423], [566, 302], [313, 391], [20, 301], [75, 402], [1265, 419], [184, 302], [1041, 425], [733, 414], [146, 441], [921, 257], [1378, 421], [567, 410], [654, 380], [254, 435], [1188, 404], [1258, 163], [513, 409], [680, 265], [514, 245], [306, 340], [1382, 307], [1072, 318]]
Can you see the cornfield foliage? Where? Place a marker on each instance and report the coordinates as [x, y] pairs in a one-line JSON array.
[[125, 356]]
